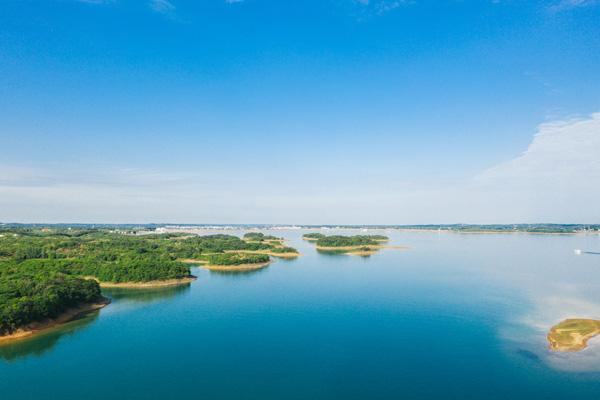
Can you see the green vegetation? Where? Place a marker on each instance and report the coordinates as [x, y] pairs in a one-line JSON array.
[[283, 250], [30, 296], [350, 241], [260, 237], [197, 247], [313, 236], [44, 272], [237, 259]]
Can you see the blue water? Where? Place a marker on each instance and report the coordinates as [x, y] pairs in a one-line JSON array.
[[455, 316]]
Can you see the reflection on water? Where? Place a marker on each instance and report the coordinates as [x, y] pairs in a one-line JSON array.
[[528, 355], [332, 252], [43, 342], [239, 273], [364, 253], [144, 295]]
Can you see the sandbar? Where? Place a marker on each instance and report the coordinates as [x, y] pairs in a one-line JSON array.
[[573, 334]]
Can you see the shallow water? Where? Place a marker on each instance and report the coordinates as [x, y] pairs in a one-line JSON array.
[[456, 315]]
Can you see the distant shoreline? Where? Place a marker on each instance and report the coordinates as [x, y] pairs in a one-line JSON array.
[[139, 229], [267, 253], [69, 315]]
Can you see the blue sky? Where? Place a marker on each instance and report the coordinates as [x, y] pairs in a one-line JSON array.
[[330, 111]]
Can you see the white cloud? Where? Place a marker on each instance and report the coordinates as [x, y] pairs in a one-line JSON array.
[[380, 7], [570, 4], [561, 153], [162, 6], [556, 179]]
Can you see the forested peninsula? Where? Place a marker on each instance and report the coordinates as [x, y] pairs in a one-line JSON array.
[[49, 276]]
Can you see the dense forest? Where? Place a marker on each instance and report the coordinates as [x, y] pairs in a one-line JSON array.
[[29, 296]]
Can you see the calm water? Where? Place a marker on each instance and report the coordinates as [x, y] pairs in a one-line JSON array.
[[456, 316]]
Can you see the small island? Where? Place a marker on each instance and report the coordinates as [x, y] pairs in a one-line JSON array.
[[271, 245], [573, 334], [312, 237], [360, 245], [259, 237]]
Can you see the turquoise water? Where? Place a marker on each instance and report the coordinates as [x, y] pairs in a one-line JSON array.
[[455, 316]]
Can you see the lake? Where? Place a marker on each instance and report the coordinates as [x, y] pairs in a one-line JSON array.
[[454, 316]]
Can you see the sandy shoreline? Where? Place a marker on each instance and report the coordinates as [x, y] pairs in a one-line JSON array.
[[193, 261], [69, 315], [240, 267], [310, 239], [149, 284], [359, 248], [572, 335], [266, 253]]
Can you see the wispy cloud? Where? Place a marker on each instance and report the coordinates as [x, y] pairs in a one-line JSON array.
[[379, 7], [162, 6], [563, 5], [566, 152], [555, 179]]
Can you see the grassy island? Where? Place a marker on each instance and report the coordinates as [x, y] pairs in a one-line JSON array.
[[199, 247], [573, 334]]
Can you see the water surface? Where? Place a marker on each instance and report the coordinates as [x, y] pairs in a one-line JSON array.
[[457, 315]]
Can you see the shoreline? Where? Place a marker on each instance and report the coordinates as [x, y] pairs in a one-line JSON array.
[[363, 253], [371, 247], [193, 261], [149, 284], [266, 253], [239, 267], [484, 232], [72, 314]]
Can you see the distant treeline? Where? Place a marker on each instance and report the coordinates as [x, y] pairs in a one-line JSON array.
[[536, 227]]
